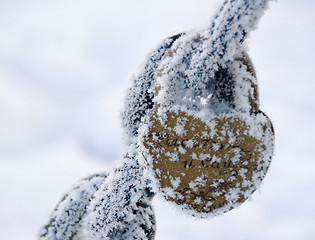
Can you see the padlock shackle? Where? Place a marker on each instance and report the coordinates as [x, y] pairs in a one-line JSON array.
[[233, 23], [222, 43], [207, 66]]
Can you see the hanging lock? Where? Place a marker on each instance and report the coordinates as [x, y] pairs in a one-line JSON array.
[[208, 160]]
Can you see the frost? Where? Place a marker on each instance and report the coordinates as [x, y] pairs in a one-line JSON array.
[[216, 146], [198, 200], [190, 143], [203, 64], [181, 150], [66, 219], [224, 89], [206, 75], [175, 182], [139, 97], [122, 207], [232, 195], [179, 129], [114, 205], [199, 181], [173, 156]]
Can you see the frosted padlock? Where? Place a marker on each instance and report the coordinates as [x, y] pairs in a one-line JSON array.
[[208, 153]]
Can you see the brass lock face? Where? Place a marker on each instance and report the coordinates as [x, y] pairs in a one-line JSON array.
[[206, 167]]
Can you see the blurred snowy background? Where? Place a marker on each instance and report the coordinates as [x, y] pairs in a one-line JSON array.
[[64, 67]]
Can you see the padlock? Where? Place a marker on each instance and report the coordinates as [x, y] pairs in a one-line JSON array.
[[206, 141]]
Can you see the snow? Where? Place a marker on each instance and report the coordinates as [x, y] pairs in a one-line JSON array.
[[56, 129]]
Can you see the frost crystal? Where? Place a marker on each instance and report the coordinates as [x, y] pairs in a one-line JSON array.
[[122, 207], [66, 219], [139, 97], [203, 64]]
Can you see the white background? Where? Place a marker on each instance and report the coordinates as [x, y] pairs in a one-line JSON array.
[[64, 67]]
